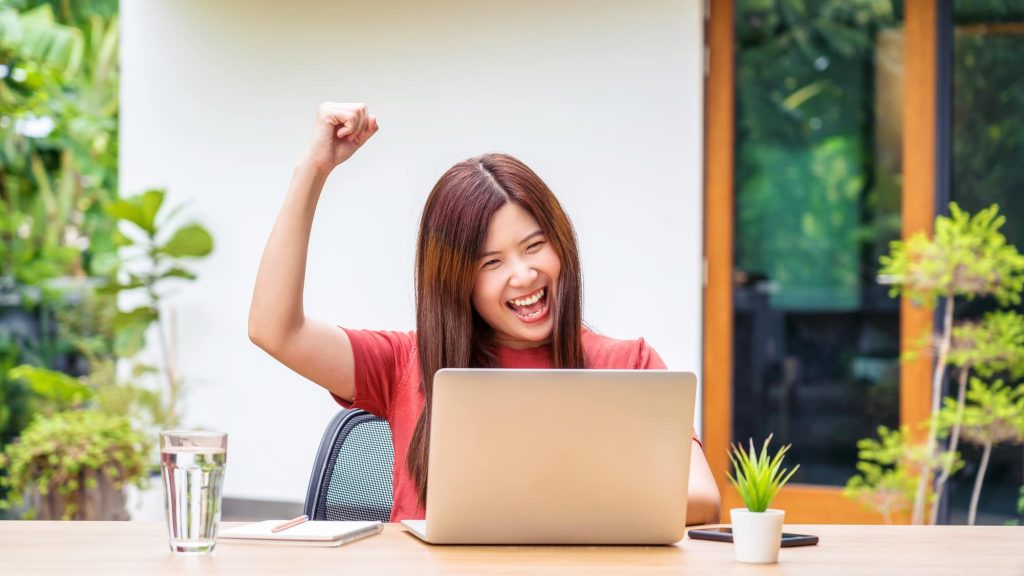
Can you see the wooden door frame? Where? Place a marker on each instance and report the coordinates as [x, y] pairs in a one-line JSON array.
[[807, 503]]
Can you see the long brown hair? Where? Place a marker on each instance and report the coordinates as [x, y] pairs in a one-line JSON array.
[[453, 229]]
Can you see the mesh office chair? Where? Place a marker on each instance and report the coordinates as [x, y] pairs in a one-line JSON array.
[[351, 477]]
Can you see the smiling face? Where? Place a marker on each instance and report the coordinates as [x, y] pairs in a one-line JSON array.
[[516, 279]]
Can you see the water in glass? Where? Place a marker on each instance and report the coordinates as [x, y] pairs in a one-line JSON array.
[[193, 476]]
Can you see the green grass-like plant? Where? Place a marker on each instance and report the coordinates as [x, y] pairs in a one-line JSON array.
[[757, 477]]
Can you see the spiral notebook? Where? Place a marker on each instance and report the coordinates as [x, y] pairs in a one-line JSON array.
[[313, 533]]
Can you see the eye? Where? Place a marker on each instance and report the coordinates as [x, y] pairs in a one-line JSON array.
[[532, 247], [490, 262]]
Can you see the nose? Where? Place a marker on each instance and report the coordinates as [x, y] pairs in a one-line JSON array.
[[523, 275]]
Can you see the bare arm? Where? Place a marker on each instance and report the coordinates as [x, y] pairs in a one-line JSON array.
[[704, 503], [277, 321]]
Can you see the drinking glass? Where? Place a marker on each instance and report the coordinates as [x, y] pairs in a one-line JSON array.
[[192, 465]]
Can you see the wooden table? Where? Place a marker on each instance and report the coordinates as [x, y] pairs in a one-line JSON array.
[[103, 548]]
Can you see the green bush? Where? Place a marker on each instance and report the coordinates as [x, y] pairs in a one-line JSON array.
[[967, 257], [61, 453]]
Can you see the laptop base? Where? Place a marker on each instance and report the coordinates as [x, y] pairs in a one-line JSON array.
[[418, 528]]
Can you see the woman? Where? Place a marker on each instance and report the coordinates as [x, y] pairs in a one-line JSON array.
[[498, 284]]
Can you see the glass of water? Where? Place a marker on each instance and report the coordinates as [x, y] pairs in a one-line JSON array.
[[192, 466]]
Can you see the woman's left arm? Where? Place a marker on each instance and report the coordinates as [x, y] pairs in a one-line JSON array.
[[704, 503]]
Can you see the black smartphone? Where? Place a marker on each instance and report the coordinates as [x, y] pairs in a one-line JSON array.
[[725, 535]]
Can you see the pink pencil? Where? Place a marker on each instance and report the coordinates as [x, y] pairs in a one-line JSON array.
[[289, 524]]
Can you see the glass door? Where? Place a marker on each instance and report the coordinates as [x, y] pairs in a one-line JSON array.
[[806, 185]]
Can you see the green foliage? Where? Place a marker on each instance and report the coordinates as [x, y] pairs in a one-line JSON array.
[[993, 345], [810, 204], [60, 391], [802, 60], [994, 413], [58, 453], [887, 469], [55, 177], [758, 477], [130, 330], [84, 319], [988, 116], [157, 251], [140, 210], [187, 241], [968, 257], [147, 407], [884, 482], [191, 241], [94, 327], [15, 397], [75, 14], [35, 35], [38, 51], [69, 237], [91, 325], [824, 231]]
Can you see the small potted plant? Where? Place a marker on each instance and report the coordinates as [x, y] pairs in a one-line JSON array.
[[757, 530]]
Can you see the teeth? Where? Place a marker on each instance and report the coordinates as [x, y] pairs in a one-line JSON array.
[[530, 300]]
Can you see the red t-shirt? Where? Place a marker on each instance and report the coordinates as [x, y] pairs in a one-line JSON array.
[[387, 384]]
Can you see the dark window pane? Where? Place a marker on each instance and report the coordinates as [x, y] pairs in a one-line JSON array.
[[988, 168], [819, 115]]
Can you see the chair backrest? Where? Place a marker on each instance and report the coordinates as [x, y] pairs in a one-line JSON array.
[[351, 477]]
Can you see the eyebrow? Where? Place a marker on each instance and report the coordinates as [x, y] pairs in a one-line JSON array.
[[530, 236]]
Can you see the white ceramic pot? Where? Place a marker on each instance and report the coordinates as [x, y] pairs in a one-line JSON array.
[[757, 536]]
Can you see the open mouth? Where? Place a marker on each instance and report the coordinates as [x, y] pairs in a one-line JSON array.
[[530, 307]]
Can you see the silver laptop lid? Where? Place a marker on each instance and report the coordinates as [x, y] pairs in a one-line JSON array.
[[559, 456]]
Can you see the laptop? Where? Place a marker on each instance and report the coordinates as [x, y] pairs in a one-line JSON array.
[[558, 457]]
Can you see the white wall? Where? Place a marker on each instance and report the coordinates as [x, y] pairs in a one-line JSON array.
[[602, 98]]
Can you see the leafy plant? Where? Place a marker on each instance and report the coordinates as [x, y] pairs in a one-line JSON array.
[[994, 414], [71, 242], [56, 390], [35, 35], [887, 467], [994, 345], [967, 257], [758, 477], [68, 453], [59, 145], [154, 252]]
